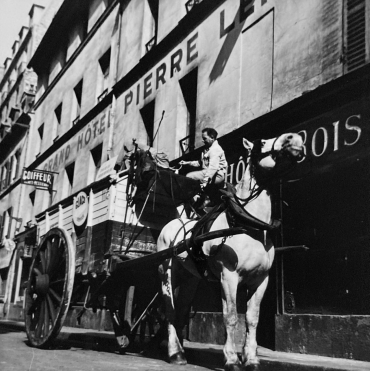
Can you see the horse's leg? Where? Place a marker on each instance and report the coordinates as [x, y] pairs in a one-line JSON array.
[[249, 356], [183, 301], [175, 349], [229, 282]]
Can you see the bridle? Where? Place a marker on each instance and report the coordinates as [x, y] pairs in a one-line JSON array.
[[256, 155], [285, 151]]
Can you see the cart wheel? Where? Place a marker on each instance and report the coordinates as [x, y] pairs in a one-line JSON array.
[[49, 287]]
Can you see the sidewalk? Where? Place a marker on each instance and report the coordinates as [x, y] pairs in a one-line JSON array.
[[198, 353]]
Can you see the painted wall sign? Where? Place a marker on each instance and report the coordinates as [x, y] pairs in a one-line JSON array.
[[38, 178], [162, 73], [80, 209], [98, 126], [335, 138]]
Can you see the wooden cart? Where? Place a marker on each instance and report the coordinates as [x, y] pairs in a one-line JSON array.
[[107, 262], [104, 258]]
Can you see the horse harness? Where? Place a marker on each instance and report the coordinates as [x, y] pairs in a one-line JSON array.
[[240, 221]]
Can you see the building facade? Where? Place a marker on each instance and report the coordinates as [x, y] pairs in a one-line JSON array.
[[18, 88], [160, 71]]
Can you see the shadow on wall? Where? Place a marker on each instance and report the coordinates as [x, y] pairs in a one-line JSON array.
[[232, 31]]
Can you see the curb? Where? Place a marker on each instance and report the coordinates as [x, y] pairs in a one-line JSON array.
[[203, 354]]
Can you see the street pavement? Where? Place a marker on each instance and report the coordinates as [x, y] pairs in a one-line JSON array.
[[79, 349], [16, 355]]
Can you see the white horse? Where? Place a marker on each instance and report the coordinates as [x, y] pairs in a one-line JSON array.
[[239, 259]]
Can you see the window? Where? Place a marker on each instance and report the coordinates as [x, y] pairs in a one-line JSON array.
[[76, 105], [70, 170], [58, 62], [150, 32], [32, 197], [17, 159], [96, 155], [147, 114], [6, 175], [11, 172], [5, 113], [103, 75], [3, 222], [96, 10], [188, 101], [57, 120], [42, 84], [3, 177], [6, 223], [356, 53], [76, 36], [41, 136]]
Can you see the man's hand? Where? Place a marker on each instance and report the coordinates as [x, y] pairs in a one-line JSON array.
[[182, 162]]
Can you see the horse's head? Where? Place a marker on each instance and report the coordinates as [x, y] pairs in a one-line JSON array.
[[275, 155]]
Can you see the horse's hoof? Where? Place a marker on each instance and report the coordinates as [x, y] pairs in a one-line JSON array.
[[122, 341], [234, 367], [178, 359]]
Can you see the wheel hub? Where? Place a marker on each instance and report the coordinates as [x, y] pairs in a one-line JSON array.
[[42, 284]]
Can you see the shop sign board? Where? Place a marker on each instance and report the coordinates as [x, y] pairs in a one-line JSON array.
[[80, 209], [38, 178], [335, 138], [106, 169]]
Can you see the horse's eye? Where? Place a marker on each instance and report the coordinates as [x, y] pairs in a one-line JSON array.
[[263, 142]]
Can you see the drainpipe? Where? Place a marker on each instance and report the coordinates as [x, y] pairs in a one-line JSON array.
[[114, 99]]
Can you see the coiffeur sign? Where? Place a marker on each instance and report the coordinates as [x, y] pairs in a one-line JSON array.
[[38, 178]]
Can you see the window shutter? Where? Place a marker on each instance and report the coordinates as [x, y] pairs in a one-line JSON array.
[[356, 34], [10, 213], [2, 222]]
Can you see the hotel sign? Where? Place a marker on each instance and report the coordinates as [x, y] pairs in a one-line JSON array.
[[38, 178]]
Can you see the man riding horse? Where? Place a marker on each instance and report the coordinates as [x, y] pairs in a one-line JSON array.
[[213, 163]]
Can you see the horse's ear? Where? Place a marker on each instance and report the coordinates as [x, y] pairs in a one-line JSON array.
[[247, 144]]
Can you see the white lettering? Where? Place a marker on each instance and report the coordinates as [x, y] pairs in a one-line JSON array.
[[229, 173], [303, 134], [325, 144], [240, 169], [336, 131], [353, 127]]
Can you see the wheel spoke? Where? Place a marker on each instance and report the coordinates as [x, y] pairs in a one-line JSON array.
[[55, 295], [46, 319], [53, 254], [35, 318], [34, 306], [62, 280], [40, 322], [51, 308], [58, 265], [48, 294], [43, 261]]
